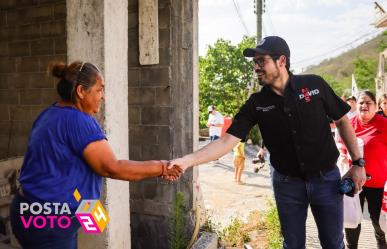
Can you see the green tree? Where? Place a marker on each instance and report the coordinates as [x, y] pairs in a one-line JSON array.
[[339, 88], [365, 72], [383, 43], [224, 74]]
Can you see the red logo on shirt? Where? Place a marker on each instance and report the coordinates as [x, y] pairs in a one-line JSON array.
[[306, 93]]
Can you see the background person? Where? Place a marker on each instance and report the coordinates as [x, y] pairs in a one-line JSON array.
[[239, 162], [68, 150], [351, 101], [291, 112], [382, 105], [215, 123], [372, 130]]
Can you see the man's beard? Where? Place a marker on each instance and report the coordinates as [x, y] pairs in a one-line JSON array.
[[261, 81], [269, 79]]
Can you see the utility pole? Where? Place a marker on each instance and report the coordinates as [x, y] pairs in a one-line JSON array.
[[258, 12], [259, 9]]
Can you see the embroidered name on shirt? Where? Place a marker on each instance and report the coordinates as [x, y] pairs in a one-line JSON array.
[[265, 108], [306, 94]]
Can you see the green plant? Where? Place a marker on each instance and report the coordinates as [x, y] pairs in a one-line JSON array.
[[273, 227], [235, 233], [177, 238], [210, 226]]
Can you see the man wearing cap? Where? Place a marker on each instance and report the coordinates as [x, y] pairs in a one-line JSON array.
[[215, 123], [291, 111], [351, 101]]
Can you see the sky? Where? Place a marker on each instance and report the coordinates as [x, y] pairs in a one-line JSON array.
[[314, 29]]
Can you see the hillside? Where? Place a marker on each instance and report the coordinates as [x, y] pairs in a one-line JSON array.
[[341, 67]]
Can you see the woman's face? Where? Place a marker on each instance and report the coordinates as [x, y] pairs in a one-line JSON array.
[[366, 107], [383, 105], [92, 98]]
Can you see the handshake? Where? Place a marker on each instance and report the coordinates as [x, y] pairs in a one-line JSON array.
[[171, 171]]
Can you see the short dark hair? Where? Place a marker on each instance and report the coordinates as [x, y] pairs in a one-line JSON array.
[[276, 57]]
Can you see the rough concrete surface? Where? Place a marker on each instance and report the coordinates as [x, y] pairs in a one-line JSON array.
[[224, 199], [206, 241]]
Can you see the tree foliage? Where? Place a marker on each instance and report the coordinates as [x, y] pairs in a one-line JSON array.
[[340, 88], [224, 74], [365, 73]]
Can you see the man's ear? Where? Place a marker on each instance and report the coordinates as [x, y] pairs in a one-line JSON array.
[[282, 60], [80, 92]]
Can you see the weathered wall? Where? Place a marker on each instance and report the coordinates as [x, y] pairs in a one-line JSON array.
[[97, 32], [162, 103], [32, 33]]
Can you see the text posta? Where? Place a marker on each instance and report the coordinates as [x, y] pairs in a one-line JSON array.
[[49, 214]]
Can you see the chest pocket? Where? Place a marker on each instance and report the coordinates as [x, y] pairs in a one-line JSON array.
[[312, 108]]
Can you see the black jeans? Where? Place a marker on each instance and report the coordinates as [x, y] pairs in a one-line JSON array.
[[374, 198]]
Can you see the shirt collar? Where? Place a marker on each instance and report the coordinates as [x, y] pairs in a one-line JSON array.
[[292, 81], [291, 84]]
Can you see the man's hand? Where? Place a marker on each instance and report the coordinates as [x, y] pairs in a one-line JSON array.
[[170, 173], [179, 162], [358, 176], [261, 153]]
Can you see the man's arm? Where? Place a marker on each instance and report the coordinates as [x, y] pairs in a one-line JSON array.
[[210, 152], [348, 136]]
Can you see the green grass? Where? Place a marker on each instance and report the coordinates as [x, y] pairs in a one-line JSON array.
[[177, 238], [273, 227]]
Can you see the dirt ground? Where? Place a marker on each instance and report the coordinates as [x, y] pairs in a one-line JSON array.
[[224, 199]]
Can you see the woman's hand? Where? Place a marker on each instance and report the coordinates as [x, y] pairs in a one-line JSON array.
[[170, 173]]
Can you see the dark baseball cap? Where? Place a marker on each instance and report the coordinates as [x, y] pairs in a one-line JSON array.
[[271, 45], [351, 98]]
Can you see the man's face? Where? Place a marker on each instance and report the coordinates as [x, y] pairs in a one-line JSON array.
[[266, 68]]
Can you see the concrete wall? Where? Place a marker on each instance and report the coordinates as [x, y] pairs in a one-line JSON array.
[[32, 33], [162, 100], [97, 32]]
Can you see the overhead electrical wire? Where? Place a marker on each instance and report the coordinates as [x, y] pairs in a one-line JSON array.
[[266, 11], [241, 18], [337, 48]]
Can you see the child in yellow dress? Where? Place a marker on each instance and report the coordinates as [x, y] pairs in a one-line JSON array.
[[239, 161]]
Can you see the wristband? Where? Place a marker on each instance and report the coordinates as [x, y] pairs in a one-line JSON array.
[[163, 168]]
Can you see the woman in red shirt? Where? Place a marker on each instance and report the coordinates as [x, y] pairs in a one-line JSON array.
[[372, 130]]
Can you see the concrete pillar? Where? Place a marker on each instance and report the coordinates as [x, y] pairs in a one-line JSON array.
[[163, 119], [97, 31]]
